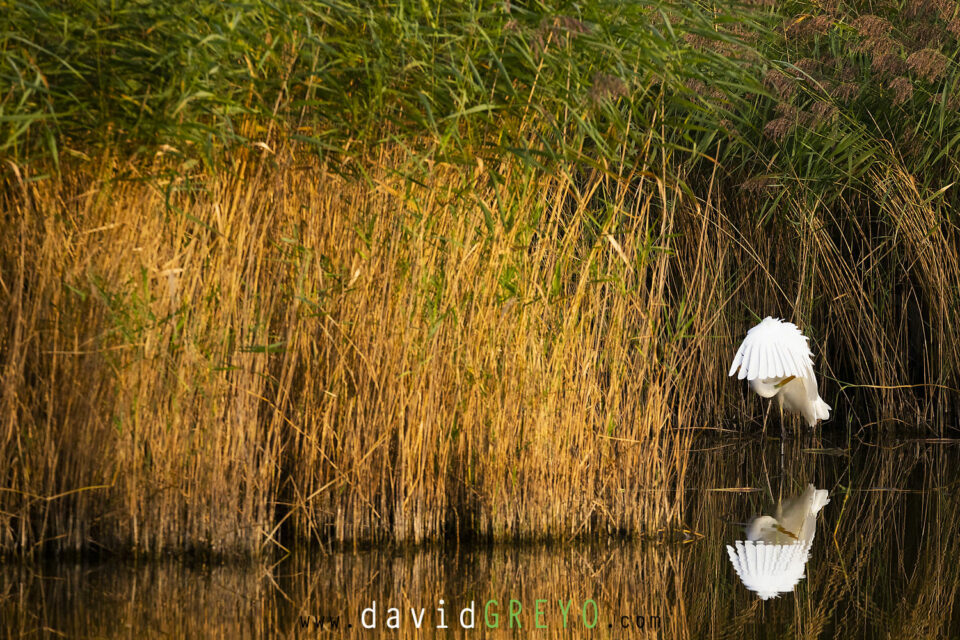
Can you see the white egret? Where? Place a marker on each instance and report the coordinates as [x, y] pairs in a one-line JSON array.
[[794, 521], [776, 360], [768, 569], [773, 558]]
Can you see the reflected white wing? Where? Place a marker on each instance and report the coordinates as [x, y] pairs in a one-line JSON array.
[[769, 569], [799, 514], [773, 349]]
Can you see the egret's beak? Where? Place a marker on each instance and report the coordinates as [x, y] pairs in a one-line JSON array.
[[787, 533], [783, 382]]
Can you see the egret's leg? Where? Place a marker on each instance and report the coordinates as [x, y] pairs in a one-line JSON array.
[[783, 440], [783, 427], [783, 456], [766, 416]]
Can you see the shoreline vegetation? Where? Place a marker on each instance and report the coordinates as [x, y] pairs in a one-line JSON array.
[[393, 272]]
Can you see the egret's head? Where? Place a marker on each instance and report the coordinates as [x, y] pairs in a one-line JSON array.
[[762, 528]]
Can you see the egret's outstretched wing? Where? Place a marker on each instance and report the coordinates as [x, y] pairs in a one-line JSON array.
[[773, 349], [810, 384]]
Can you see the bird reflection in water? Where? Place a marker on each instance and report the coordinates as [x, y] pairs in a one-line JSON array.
[[772, 559]]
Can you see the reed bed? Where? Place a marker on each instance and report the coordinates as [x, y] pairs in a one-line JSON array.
[[363, 361], [368, 272]]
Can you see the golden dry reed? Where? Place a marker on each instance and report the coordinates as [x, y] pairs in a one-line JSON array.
[[273, 353], [287, 355]]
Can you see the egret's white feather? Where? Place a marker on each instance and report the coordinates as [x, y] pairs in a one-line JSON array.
[[753, 365], [810, 384], [776, 360], [773, 558], [738, 361], [803, 363], [782, 368], [769, 569]]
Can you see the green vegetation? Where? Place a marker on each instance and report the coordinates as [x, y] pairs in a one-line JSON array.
[[393, 271]]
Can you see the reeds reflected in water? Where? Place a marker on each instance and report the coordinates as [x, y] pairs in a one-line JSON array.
[[882, 566]]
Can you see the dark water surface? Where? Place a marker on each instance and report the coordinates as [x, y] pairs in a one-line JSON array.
[[884, 563]]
